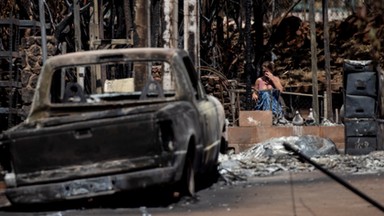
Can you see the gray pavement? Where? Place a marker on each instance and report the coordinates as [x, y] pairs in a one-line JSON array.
[[305, 193]]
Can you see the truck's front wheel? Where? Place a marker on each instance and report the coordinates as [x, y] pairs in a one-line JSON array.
[[187, 184]]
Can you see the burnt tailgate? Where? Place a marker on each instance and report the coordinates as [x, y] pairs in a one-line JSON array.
[[88, 148]]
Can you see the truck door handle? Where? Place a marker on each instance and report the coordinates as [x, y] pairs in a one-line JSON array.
[[83, 133]]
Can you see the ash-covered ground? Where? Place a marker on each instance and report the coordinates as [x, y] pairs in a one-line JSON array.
[[271, 158]]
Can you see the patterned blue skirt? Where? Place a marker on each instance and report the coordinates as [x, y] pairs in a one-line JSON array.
[[269, 100]]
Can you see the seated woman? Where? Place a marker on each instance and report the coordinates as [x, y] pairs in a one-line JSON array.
[[267, 92]]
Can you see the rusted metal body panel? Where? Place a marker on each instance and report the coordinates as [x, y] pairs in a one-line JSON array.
[[362, 83], [360, 127], [360, 145], [113, 141]]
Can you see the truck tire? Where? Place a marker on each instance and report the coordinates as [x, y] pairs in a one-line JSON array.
[[188, 184]]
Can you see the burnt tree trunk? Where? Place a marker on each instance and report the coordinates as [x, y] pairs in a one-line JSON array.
[[258, 13]]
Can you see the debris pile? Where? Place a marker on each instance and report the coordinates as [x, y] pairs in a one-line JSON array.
[[270, 158]]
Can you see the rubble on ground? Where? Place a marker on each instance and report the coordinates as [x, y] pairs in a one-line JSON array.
[[270, 158]]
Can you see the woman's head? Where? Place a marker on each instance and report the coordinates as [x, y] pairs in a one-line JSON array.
[[267, 66]]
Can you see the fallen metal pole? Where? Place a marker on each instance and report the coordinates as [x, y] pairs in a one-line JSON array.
[[296, 150]]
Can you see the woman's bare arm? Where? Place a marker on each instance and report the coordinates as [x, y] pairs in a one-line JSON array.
[[255, 96], [276, 81]]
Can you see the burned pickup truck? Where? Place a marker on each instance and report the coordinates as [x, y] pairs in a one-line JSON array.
[[113, 120]]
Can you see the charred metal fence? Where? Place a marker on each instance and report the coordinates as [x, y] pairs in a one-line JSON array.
[[291, 101], [13, 79], [10, 73], [11, 110], [301, 102]]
